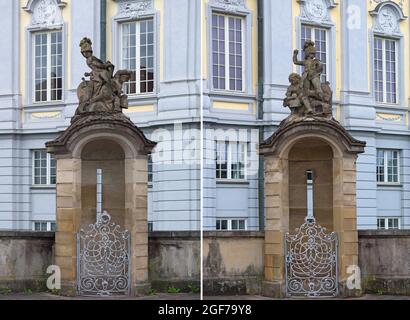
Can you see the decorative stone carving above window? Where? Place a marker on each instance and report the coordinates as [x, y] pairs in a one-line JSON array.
[[229, 5], [381, 1], [317, 11], [387, 16], [45, 14], [133, 9]]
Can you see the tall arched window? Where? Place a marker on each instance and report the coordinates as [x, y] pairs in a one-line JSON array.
[[45, 45], [386, 52]]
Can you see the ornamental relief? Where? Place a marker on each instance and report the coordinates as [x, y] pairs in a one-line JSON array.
[[46, 14], [400, 2], [133, 9], [229, 5], [387, 16], [389, 117], [317, 11], [388, 20]]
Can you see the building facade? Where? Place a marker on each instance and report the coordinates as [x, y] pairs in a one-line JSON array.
[[365, 48], [42, 69], [218, 64]]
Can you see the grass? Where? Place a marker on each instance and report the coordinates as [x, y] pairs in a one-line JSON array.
[[55, 291], [5, 291], [173, 290], [27, 291], [193, 288], [152, 292]]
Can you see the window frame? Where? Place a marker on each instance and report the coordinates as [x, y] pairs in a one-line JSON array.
[[32, 58], [386, 223], [385, 167], [48, 170], [150, 226], [383, 38], [124, 17], [150, 171], [327, 34], [137, 22], [229, 161], [48, 225], [244, 44], [229, 224]]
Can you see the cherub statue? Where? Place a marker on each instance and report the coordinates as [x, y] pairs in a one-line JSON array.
[[120, 99], [294, 94]]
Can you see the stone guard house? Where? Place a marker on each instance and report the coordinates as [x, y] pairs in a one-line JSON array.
[[364, 45]]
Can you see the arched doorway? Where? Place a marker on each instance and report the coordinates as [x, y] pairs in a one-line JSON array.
[[321, 155]]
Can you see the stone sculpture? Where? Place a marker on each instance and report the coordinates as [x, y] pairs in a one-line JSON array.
[[307, 96], [102, 93]]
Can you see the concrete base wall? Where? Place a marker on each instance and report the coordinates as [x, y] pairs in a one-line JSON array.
[[384, 260], [233, 261], [24, 258], [174, 260]]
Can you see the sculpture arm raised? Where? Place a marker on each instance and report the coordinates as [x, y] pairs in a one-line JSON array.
[[295, 58]]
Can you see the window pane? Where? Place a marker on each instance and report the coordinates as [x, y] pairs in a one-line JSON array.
[[385, 70], [234, 224], [40, 67], [224, 224], [319, 36], [40, 167], [381, 223], [235, 54], [221, 160], [241, 224], [150, 168], [218, 51], [390, 63], [392, 166], [142, 64], [56, 66], [48, 66], [380, 166], [238, 160], [52, 169]]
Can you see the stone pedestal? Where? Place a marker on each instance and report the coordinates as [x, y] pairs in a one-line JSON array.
[[325, 146], [109, 141]]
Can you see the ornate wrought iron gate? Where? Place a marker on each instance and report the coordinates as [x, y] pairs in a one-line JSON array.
[[311, 261], [103, 259]]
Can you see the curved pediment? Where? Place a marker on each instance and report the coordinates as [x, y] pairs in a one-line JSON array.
[[387, 17], [45, 13], [329, 130]]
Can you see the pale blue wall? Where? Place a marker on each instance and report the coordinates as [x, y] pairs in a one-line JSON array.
[[175, 193]]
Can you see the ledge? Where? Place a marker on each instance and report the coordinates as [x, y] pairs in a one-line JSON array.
[[174, 235], [27, 234], [384, 233], [195, 235], [234, 234]]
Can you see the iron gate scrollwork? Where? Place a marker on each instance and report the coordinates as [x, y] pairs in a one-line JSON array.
[[311, 261], [103, 259]]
